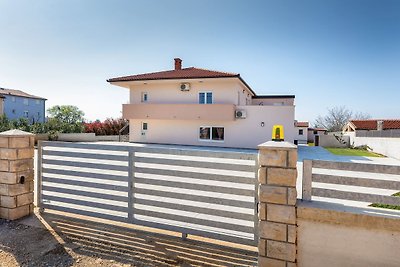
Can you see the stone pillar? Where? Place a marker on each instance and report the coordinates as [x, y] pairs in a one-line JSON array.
[[16, 174], [277, 176]]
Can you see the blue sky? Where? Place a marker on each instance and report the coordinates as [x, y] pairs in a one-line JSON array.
[[327, 53]]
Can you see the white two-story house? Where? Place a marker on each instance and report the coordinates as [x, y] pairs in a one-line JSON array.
[[193, 106]]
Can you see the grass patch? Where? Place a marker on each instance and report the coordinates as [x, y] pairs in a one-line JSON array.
[[386, 206], [310, 144], [352, 152]]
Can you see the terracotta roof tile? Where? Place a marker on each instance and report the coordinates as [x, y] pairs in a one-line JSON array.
[[185, 73], [372, 124], [301, 124]]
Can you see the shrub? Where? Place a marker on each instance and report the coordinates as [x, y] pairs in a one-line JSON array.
[[108, 127]]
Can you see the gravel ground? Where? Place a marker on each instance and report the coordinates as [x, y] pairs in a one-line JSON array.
[[70, 242]]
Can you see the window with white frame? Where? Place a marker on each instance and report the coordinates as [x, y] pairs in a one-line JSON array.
[[300, 131], [205, 98], [26, 101], [145, 97], [37, 101], [144, 126], [208, 133]]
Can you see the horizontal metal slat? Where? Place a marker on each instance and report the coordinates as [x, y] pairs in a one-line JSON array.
[[212, 200], [209, 211], [85, 155], [84, 193], [85, 175], [364, 182], [86, 165], [190, 231], [355, 196], [86, 146], [85, 213], [201, 187], [197, 175], [86, 184], [197, 164], [179, 218], [198, 153], [86, 203], [357, 167]]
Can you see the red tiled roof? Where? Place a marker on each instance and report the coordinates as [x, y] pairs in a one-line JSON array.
[[301, 124], [185, 73], [372, 124]]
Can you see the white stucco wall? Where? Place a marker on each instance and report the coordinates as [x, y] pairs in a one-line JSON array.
[[302, 139], [225, 91], [241, 133], [386, 146]]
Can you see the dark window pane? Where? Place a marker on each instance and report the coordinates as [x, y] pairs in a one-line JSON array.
[[209, 98], [300, 132], [201, 98], [218, 133], [205, 133], [144, 127]]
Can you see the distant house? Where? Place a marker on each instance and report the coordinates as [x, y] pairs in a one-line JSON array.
[[373, 128], [301, 131], [195, 106], [312, 132], [17, 104]]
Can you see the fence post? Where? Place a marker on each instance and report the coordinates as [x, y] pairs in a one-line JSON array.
[[39, 182], [131, 185], [277, 176], [16, 174], [307, 180]]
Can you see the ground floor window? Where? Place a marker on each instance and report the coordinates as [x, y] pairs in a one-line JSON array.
[[212, 133]]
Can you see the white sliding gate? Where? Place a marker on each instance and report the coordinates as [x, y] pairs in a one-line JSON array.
[[207, 192]]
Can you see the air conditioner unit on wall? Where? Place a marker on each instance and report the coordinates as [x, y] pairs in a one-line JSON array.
[[240, 114], [185, 86]]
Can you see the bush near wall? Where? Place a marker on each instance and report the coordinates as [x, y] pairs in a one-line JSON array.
[[108, 127]]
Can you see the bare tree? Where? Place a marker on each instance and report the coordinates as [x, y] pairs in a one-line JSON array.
[[337, 117]]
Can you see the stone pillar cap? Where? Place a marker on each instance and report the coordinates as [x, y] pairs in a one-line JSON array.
[[277, 145], [15, 132]]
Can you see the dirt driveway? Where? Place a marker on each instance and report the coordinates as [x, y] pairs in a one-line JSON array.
[[54, 240]]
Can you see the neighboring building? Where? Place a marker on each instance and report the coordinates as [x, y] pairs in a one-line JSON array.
[[1, 105], [312, 132], [193, 106], [301, 132], [18, 104], [373, 128]]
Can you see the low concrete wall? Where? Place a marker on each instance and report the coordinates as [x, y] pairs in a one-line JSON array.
[[386, 146], [331, 141], [89, 137], [337, 237]]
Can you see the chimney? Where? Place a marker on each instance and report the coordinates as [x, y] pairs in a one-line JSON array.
[[178, 63], [379, 125]]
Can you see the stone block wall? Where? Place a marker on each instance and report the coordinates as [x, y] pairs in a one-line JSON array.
[[16, 174], [277, 176]]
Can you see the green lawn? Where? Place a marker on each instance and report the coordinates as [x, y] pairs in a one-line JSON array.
[[385, 206], [352, 152]]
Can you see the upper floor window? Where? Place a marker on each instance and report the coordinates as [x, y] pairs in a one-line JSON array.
[[145, 97], [37, 101], [144, 126], [300, 131], [205, 98], [26, 101], [13, 98]]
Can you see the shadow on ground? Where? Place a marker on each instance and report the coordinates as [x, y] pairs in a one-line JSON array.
[[24, 245], [139, 248]]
